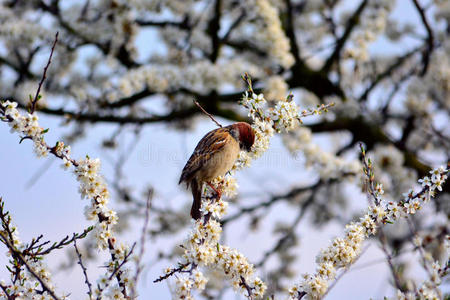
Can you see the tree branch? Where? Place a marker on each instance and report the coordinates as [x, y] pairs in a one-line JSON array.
[[351, 24], [430, 39], [213, 31]]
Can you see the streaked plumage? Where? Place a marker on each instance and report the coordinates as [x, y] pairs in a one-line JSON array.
[[215, 155]]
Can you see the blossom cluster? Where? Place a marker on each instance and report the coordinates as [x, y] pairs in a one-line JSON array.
[[92, 184], [118, 31], [328, 165], [184, 284], [343, 251], [203, 249], [276, 88], [373, 23], [20, 29], [27, 125], [285, 116], [228, 184], [202, 76], [273, 34]]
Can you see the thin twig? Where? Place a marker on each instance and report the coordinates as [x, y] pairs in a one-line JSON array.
[[80, 262], [44, 76], [5, 290], [235, 24], [142, 250], [382, 239], [172, 272], [64, 242], [380, 260], [207, 113], [123, 262], [290, 232], [117, 273], [421, 250], [430, 39], [247, 287]]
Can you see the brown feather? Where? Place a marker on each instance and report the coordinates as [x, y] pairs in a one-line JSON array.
[[210, 144], [214, 155]]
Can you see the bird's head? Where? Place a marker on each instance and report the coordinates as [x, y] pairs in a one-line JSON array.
[[244, 134]]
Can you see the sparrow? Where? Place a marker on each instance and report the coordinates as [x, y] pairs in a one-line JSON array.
[[214, 156]]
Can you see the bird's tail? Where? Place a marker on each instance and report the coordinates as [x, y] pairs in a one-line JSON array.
[[197, 195]]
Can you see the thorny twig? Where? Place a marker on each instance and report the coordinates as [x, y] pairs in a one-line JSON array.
[[83, 267]]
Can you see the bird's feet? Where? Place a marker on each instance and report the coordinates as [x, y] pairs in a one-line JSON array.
[[218, 192]]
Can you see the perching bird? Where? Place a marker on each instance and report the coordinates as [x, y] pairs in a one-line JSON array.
[[215, 155]]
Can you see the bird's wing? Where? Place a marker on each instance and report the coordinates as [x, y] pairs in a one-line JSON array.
[[213, 142]]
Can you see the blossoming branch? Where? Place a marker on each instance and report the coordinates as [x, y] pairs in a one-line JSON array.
[[344, 251], [92, 186]]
